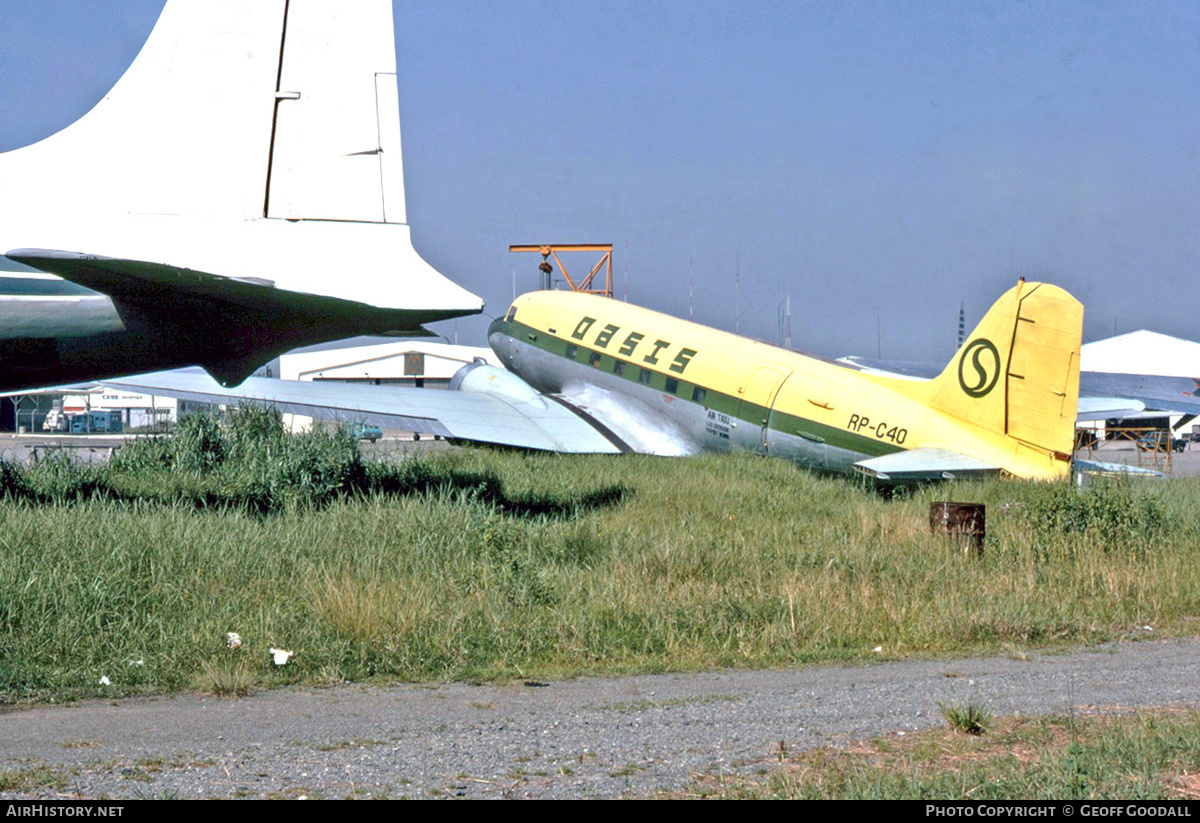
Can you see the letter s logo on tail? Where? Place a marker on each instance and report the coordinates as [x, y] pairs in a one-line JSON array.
[[985, 362]]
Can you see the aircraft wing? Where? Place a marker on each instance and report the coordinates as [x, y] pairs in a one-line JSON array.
[[480, 411], [916, 465], [642, 429]]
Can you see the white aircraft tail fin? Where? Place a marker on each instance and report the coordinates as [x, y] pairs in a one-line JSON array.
[[202, 88], [297, 99], [248, 139]]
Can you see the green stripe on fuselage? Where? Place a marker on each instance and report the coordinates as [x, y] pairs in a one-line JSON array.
[[780, 421]]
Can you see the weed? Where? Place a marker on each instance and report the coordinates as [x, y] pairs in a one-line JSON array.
[[973, 718], [13, 484], [31, 779], [1115, 515], [628, 770], [226, 676]]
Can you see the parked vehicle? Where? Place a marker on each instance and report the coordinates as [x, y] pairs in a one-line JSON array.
[[55, 420], [363, 431], [1160, 440], [94, 422]]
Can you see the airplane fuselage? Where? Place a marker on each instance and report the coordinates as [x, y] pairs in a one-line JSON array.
[[725, 392]]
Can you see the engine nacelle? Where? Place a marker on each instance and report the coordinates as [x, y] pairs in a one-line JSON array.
[[483, 378]]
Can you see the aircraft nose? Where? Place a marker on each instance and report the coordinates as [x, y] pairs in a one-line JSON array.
[[500, 341]]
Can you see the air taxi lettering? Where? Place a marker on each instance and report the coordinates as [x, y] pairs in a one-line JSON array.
[[717, 424], [881, 431]]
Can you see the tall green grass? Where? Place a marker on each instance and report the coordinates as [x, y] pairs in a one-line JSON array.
[[475, 564]]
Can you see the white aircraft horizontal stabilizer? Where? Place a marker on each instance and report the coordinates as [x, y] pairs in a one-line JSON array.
[[917, 465]]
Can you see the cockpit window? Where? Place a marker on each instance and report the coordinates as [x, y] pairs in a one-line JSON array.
[[512, 314]]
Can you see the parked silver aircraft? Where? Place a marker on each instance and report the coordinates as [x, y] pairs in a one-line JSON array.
[[238, 193]]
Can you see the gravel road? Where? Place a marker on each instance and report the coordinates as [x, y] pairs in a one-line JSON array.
[[584, 738]]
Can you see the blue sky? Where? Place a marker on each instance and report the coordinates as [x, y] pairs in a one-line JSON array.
[[879, 162]]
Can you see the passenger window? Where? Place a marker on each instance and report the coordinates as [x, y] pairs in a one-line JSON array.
[[672, 385], [644, 376], [698, 395], [618, 367], [572, 350]]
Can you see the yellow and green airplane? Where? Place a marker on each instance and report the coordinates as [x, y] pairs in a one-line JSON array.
[[1005, 404], [591, 374]]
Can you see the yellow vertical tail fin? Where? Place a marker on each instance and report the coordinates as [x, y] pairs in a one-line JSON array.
[[1018, 372]]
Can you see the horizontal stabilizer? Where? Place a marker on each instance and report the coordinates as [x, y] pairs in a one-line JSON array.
[[917, 465], [1096, 468], [157, 287], [1103, 408], [531, 423]]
